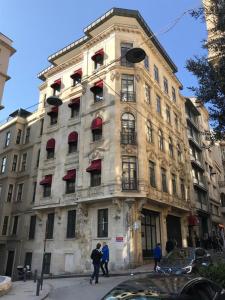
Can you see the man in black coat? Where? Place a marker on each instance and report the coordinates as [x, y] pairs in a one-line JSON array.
[[96, 256]]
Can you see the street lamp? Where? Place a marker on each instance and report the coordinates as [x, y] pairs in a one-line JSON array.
[[44, 256], [135, 55], [54, 100]]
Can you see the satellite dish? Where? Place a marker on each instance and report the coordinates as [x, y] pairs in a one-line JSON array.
[[135, 55], [53, 100]]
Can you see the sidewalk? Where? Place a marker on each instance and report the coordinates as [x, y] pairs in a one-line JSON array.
[[27, 291]]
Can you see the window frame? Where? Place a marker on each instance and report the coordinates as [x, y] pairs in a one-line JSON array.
[[164, 180], [102, 232], [71, 223], [152, 174]]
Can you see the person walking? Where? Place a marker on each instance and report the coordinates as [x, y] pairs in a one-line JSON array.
[[169, 246], [157, 254], [96, 256], [105, 259]]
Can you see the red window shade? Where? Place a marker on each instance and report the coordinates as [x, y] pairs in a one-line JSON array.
[[98, 87], [73, 137], [74, 102], [53, 111], [193, 220], [99, 54], [95, 166], [96, 124], [56, 84], [50, 144], [71, 175], [77, 74], [47, 180]]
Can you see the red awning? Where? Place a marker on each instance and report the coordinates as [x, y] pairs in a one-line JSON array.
[[73, 137], [56, 84], [98, 87], [95, 166], [71, 175], [193, 220], [53, 111], [74, 102], [47, 180], [50, 144], [77, 74], [98, 55], [96, 124]]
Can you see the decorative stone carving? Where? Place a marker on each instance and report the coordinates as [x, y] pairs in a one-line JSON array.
[[140, 204], [114, 75], [138, 78], [117, 208]]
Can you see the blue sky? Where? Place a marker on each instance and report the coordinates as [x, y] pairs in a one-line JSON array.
[[40, 28]]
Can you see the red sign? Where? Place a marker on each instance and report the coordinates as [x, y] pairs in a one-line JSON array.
[[119, 238]]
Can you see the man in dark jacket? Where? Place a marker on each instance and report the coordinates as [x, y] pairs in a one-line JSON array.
[[105, 259], [96, 256], [157, 253]]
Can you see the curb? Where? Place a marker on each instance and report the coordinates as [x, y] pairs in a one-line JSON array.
[[48, 293]]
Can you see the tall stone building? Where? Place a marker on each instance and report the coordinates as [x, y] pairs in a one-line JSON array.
[[6, 50], [114, 159]]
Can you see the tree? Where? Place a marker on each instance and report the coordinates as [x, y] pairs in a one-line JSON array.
[[210, 71]]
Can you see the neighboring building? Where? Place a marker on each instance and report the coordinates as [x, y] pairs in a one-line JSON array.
[[114, 162], [206, 171], [20, 144], [222, 181], [6, 50]]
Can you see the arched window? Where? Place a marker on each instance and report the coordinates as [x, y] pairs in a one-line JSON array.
[[128, 134], [161, 140], [72, 141], [170, 147], [179, 153], [96, 127], [50, 148], [149, 132]]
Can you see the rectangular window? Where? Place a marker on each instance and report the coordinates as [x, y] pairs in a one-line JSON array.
[[165, 84], [50, 226], [15, 225], [75, 111], [53, 119], [174, 97], [127, 88], [3, 166], [174, 184], [103, 222], [70, 186], [14, 163], [152, 174], [164, 180], [38, 158], [34, 191], [156, 73], [10, 193], [7, 138], [95, 178], [146, 62], [32, 227], [129, 173], [28, 259], [72, 147], [23, 162], [27, 137], [41, 126], [46, 191], [18, 137], [182, 189], [124, 48], [176, 121], [158, 104], [47, 264], [147, 93], [5, 225], [19, 192], [168, 117], [71, 224]]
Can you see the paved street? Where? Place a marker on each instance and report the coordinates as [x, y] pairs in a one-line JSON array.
[[80, 288]]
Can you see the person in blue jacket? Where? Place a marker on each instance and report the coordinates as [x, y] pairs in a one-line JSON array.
[[157, 254], [105, 259]]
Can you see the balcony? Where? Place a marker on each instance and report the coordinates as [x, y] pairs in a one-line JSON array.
[[200, 183], [128, 138], [197, 162], [129, 185], [195, 141], [128, 96]]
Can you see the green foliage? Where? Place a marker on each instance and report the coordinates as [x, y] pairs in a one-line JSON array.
[[215, 273]]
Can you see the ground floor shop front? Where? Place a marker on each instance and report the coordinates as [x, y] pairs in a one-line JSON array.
[[65, 236]]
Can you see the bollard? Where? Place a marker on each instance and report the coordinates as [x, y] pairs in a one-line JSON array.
[[35, 276], [38, 286]]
